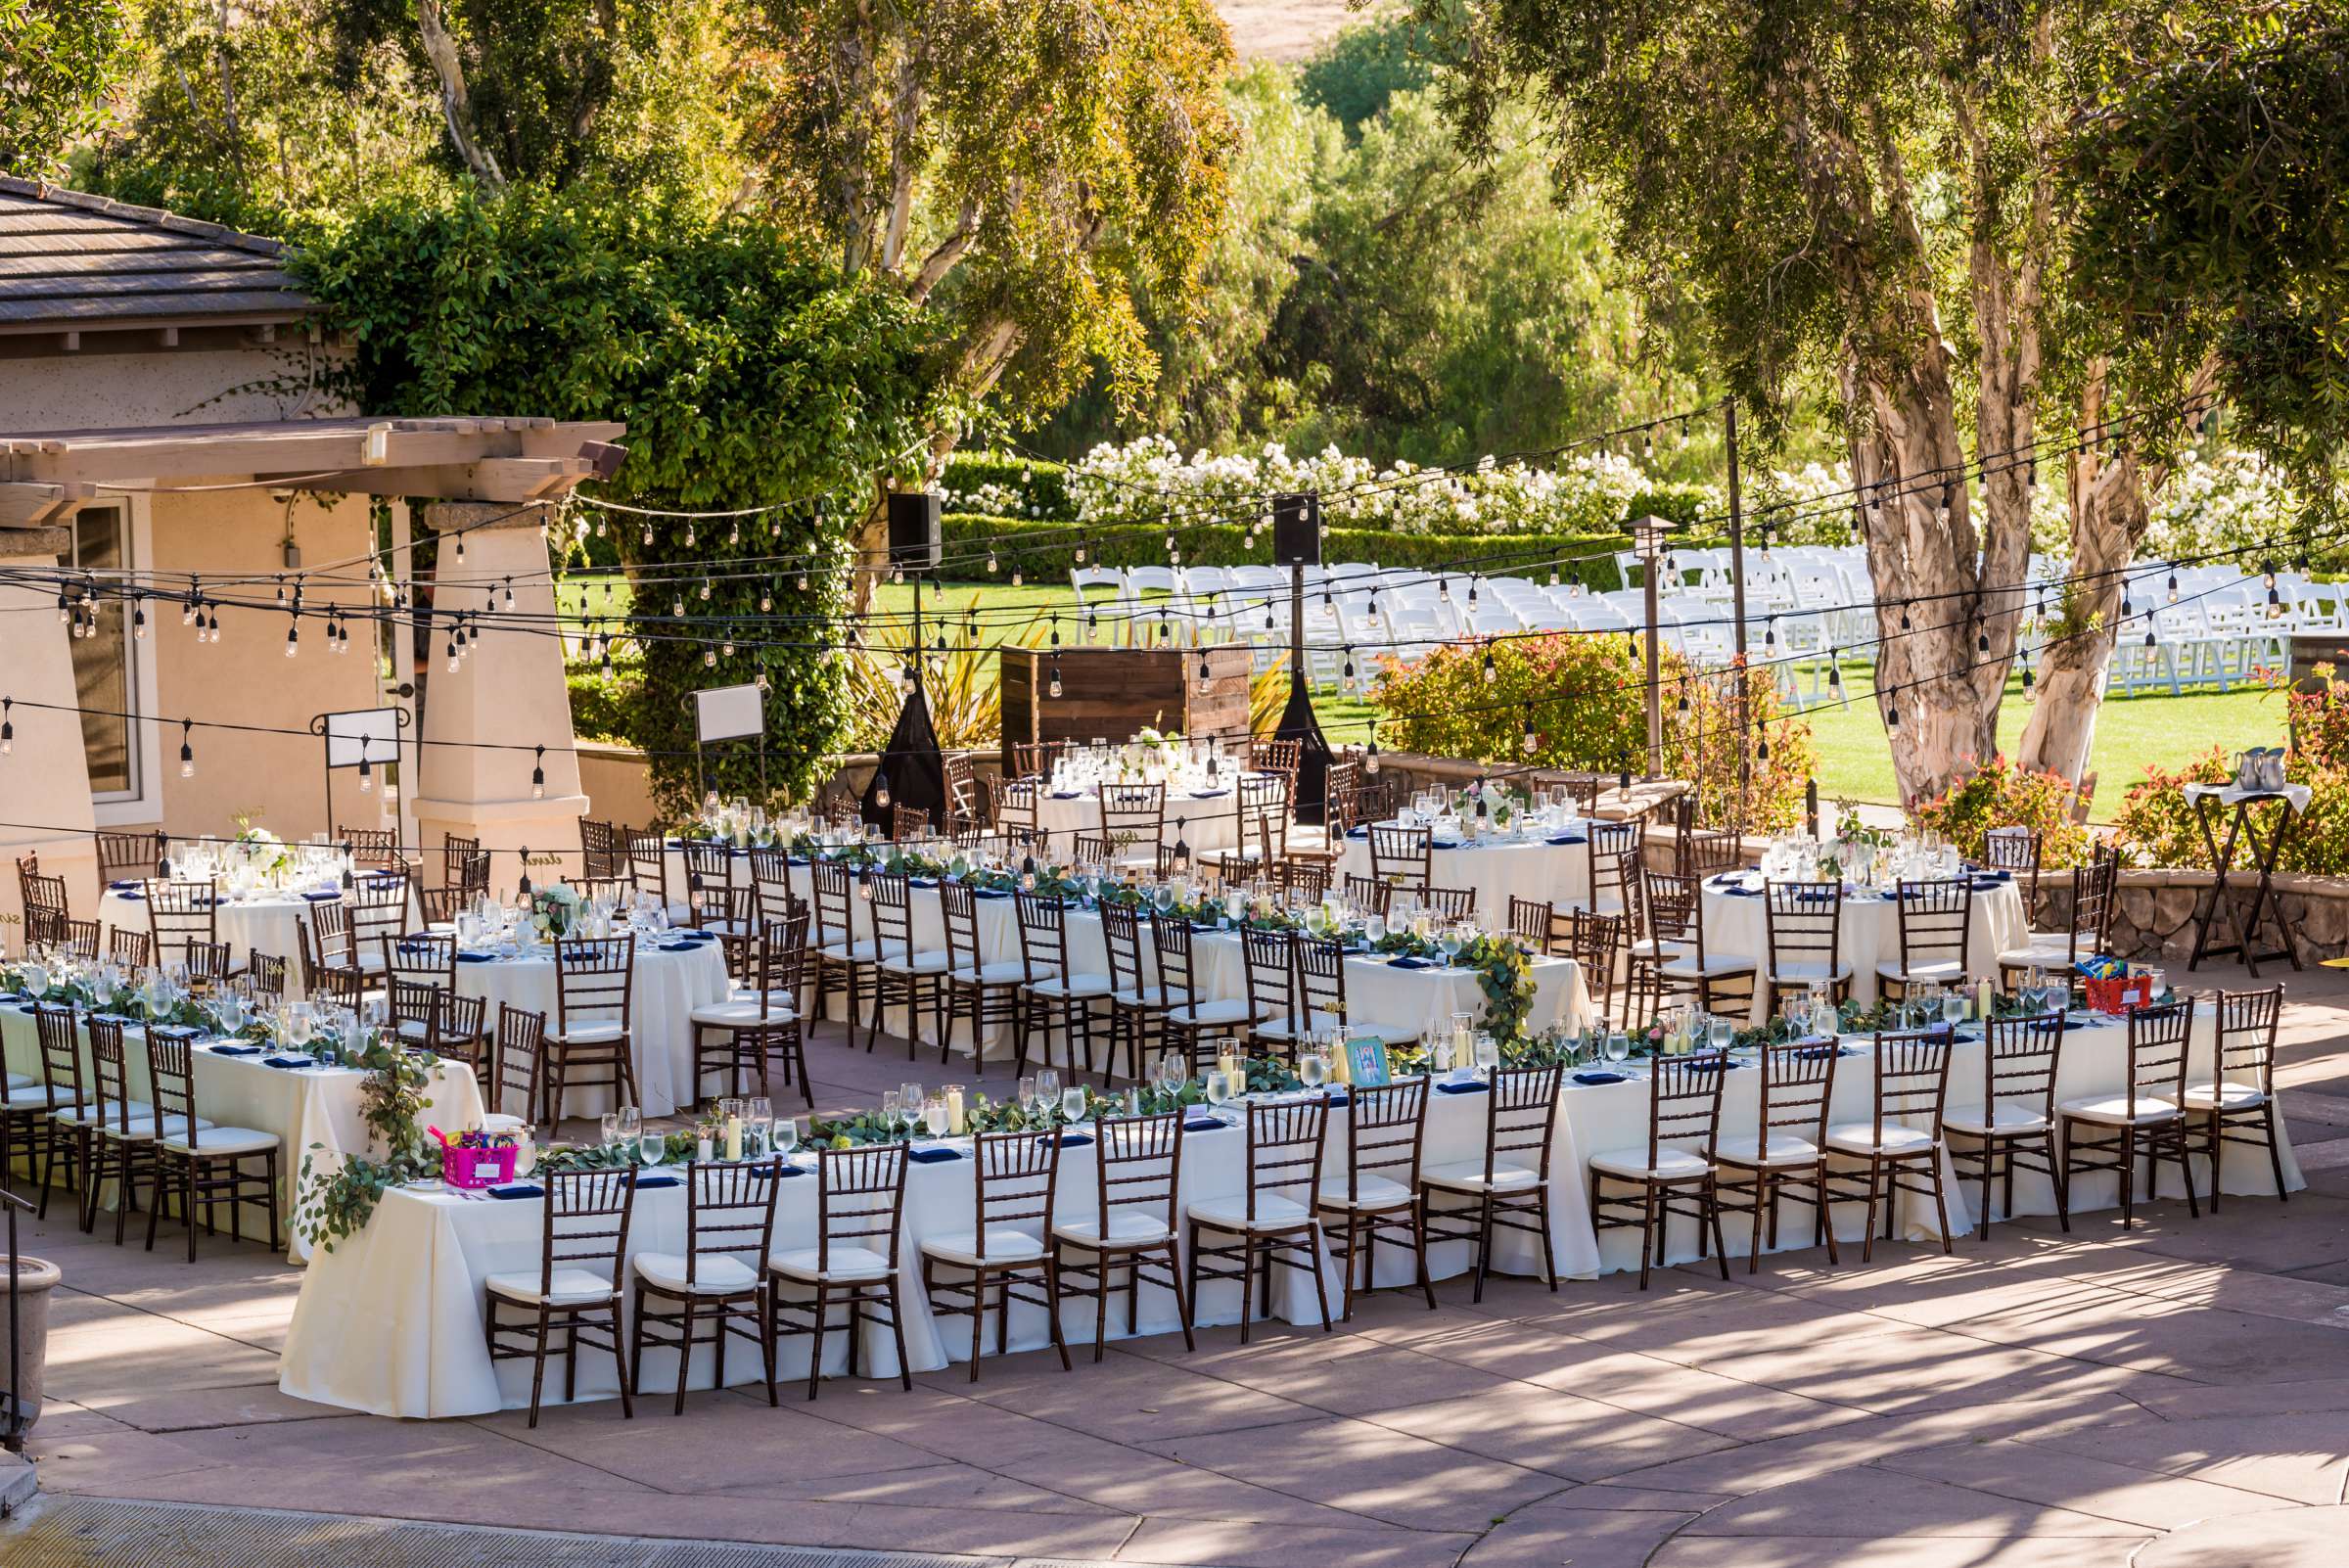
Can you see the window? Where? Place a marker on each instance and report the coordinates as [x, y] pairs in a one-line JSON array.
[[105, 679]]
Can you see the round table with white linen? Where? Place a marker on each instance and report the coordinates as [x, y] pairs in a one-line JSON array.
[[673, 978], [1552, 868], [1737, 924], [1207, 818], [266, 923]]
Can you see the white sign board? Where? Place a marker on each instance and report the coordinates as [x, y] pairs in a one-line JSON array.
[[371, 734], [727, 712]]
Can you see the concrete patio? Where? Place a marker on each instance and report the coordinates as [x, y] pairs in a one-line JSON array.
[[2175, 1396]]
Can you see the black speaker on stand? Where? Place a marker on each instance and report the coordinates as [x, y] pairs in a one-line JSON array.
[[913, 771], [1297, 544]]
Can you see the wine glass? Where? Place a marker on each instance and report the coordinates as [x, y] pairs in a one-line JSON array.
[[650, 1142], [786, 1134], [1311, 1069], [1219, 1089], [1027, 1095], [759, 1124], [911, 1099], [1618, 1048], [1047, 1090], [631, 1122], [1072, 1104], [1173, 1070], [611, 1128], [888, 1109]]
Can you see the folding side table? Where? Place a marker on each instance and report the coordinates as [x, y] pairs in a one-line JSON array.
[[2212, 801]]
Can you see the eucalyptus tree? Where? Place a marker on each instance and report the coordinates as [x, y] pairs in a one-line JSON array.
[[59, 60]]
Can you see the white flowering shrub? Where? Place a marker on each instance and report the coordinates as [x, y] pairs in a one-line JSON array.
[[2225, 499], [1143, 480]]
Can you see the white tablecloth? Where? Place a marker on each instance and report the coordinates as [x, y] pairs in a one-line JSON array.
[[304, 1106], [1738, 925], [1208, 822], [669, 986], [391, 1322], [267, 923], [1534, 868]]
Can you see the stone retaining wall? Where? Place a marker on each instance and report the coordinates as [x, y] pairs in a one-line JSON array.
[[2156, 919]]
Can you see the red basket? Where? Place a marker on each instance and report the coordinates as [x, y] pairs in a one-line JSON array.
[[2119, 996], [462, 1167]]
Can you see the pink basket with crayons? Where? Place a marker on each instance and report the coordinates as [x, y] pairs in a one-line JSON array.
[[476, 1159]]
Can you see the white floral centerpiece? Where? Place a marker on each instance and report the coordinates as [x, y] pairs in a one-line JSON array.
[[554, 911], [1167, 743], [256, 848]]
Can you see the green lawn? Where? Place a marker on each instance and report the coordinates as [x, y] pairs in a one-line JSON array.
[[1854, 761]]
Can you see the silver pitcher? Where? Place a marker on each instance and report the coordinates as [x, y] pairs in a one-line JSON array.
[[2260, 769]]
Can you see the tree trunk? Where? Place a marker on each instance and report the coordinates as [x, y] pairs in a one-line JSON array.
[[456, 107], [2108, 517]]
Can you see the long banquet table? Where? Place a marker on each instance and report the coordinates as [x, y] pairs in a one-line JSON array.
[[1737, 922], [315, 1111], [391, 1322]]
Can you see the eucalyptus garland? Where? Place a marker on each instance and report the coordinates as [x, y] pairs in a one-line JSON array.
[[333, 1206]]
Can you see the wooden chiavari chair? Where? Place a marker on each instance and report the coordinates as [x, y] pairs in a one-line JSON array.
[[907, 823], [1191, 1018], [709, 878], [1271, 1220], [2107, 1133], [2242, 1095], [1321, 993], [1675, 949], [841, 959], [1053, 998], [65, 1134], [572, 1298], [328, 940], [207, 1166], [1134, 822], [719, 1280], [1614, 865], [1896, 1153], [1138, 1004], [181, 912], [1276, 1020], [1374, 896], [1341, 804], [47, 916], [2015, 849], [903, 977], [80, 938], [1266, 754], [860, 1212], [1510, 1185], [1530, 923], [1595, 942], [518, 1062], [2016, 1122], [372, 849], [963, 805], [985, 994], [379, 912], [2095, 897], [1700, 853], [1014, 1176], [1668, 1176], [1261, 824], [595, 993], [1016, 804], [135, 948], [464, 868], [333, 985], [1379, 1193], [602, 854], [129, 856], [737, 1037], [1786, 1157], [1453, 904], [210, 964], [771, 884], [265, 973], [1402, 857], [459, 1027], [1137, 1174], [1935, 918], [126, 1128], [1804, 925], [645, 867], [1034, 758]]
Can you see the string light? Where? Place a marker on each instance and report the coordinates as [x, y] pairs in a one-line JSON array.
[[538, 777], [7, 727], [1207, 679], [366, 768], [294, 637], [1370, 754], [187, 753]]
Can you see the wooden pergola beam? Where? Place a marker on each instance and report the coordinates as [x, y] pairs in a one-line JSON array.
[[492, 479], [165, 456], [33, 506]]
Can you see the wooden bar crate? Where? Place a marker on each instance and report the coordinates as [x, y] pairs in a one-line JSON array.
[[1110, 693]]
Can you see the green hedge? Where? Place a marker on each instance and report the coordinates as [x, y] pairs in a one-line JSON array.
[[1046, 551], [1046, 484]]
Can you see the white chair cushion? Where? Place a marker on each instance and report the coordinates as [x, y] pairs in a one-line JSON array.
[[18, 1080], [587, 1032], [224, 1140], [1468, 1176], [142, 1129], [1004, 1244], [33, 1098], [750, 994], [140, 1111], [1002, 972], [1128, 1227], [1273, 1213], [715, 1275], [2120, 1110], [1071, 986], [1672, 1164], [847, 1263], [852, 952], [739, 1014], [571, 1287], [1370, 1192], [1141, 997], [921, 963], [1716, 966], [2223, 1097], [1860, 1137], [1785, 1149], [1224, 1010], [2043, 952], [2004, 1117], [1933, 971]]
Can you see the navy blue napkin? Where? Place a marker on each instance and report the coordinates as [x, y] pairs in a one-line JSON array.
[[1336, 1096], [991, 893], [518, 1190], [933, 1154], [922, 881], [131, 894], [1599, 1078], [126, 887], [321, 898], [697, 934], [1568, 838], [795, 859], [1203, 1123], [1357, 832], [1409, 962], [1444, 843], [236, 1050], [288, 1062], [1209, 795], [1075, 1140], [476, 957], [662, 1180], [1737, 890], [677, 946], [1068, 795], [175, 1032], [1470, 1087]]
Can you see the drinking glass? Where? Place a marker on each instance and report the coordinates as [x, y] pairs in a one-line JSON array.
[[649, 1142], [1218, 1090], [1311, 1069], [786, 1134], [1488, 1053], [1047, 1089], [611, 1128], [1028, 1093], [910, 1098], [1720, 1030], [1374, 927], [301, 1023], [1619, 1046], [934, 1116], [759, 1126], [1072, 1104], [1953, 1007], [888, 1109], [631, 1122]]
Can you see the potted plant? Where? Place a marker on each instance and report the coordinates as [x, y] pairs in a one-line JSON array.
[[21, 1362]]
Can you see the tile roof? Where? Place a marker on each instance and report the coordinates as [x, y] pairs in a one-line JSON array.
[[73, 260]]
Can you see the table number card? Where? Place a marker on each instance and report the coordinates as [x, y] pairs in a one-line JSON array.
[[1366, 1061]]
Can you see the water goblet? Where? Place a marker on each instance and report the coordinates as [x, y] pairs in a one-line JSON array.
[[759, 1124], [1487, 1054], [786, 1134], [1047, 1090], [631, 1122], [1217, 1088], [650, 1143], [1311, 1068], [1618, 1046], [611, 1128], [1072, 1104]]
